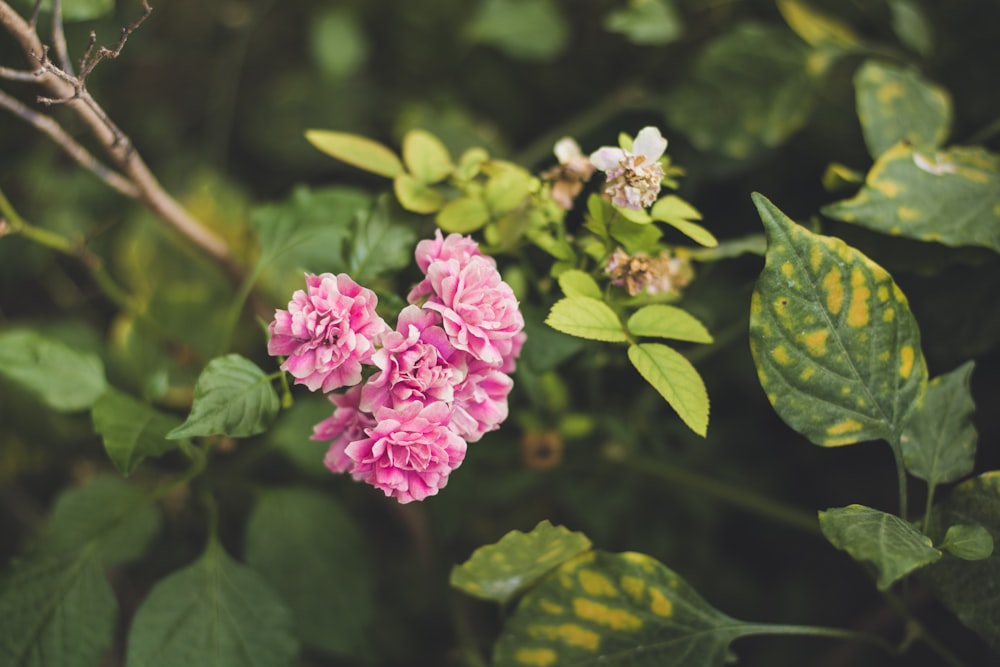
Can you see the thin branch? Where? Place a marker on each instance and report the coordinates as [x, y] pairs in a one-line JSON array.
[[18, 74], [88, 64], [82, 156], [59, 37]]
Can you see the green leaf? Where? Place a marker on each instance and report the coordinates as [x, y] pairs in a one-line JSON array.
[[638, 216], [308, 549], [56, 610], [425, 157], [636, 237], [968, 542], [677, 213], [836, 347], [616, 610], [293, 429], [817, 28], [897, 104], [337, 43], [214, 607], [970, 589], [676, 380], [131, 430], [463, 215], [763, 76], [663, 321], [231, 397], [951, 197], [545, 348], [515, 563], [381, 244], [116, 519], [586, 317], [65, 379], [75, 10], [414, 195], [939, 438], [911, 26], [357, 151], [532, 30], [893, 545], [579, 283], [507, 187], [646, 22]]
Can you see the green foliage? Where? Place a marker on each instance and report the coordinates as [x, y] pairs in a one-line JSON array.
[[820, 311], [894, 546], [74, 10], [31, 360], [131, 429], [357, 151], [646, 22], [586, 317], [968, 542], [232, 397], [662, 321], [500, 572], [532, 30], [380, 243], [676, 380], [216, 607]]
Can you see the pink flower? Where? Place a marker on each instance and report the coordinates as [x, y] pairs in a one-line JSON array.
[[634, 177], [410, 451], [480, 401], [454, 246], [478, 310], [347, 424], [327, 332], [415, 363]]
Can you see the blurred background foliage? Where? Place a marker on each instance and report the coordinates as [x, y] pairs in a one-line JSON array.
[[217, 95]]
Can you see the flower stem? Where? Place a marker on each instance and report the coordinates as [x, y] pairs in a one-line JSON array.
[[820, 631]]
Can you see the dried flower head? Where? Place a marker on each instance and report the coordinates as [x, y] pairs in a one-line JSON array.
[[638, 273], [634, 177], [573, 171]]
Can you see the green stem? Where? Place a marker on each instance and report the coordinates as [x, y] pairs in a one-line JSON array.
[[742, 499], [897, 453], [929, 506], [819, 631]]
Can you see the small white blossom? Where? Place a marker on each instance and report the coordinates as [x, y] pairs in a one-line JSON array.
[[634, 176]]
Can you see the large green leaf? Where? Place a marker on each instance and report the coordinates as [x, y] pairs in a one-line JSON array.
[[762, 76], [616, 610], [64, 379], [213, 608], [676, 380], [836, 347], [894, 546], [310, 551], [586, 317], [381, 243], [525, 29], [970, 589], [231, 397], [357, 151], [897, 104], [517, 561], [56, 610], [950, 196], [939, 439], [131, 430]]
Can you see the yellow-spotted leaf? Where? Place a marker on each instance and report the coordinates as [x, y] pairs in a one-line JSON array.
[[616, 610], [503, 570], [836, 347], [897, 104], [817, 28], [586, 317], [357, 151], [676, 380], [426, 158], [463, 215], [950, 196], [415, 195], [894, 546], [663, 321]]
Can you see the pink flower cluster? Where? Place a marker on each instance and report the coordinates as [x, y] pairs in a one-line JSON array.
[[440, 379]]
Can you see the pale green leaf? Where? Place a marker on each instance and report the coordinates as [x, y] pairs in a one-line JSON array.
[[968, 542], [911, 26], [579, 283], [646, 22], [950, 196], [231, 397], [463, 215], [679, 214], [939, 438], [676, 380], [532, 30], [817, 28], [307, 547], [894, 546], [214, 607], [970, 589], [663, 321], [507, 187], [638, 216], [131, 430], [63, 378], [836, 347], [357, 151], [416, 196], [515, 563], [586, 317], [897, 104], [425, 157], [617, 610]]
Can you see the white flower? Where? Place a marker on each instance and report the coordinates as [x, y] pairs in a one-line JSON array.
[[633, 176]]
